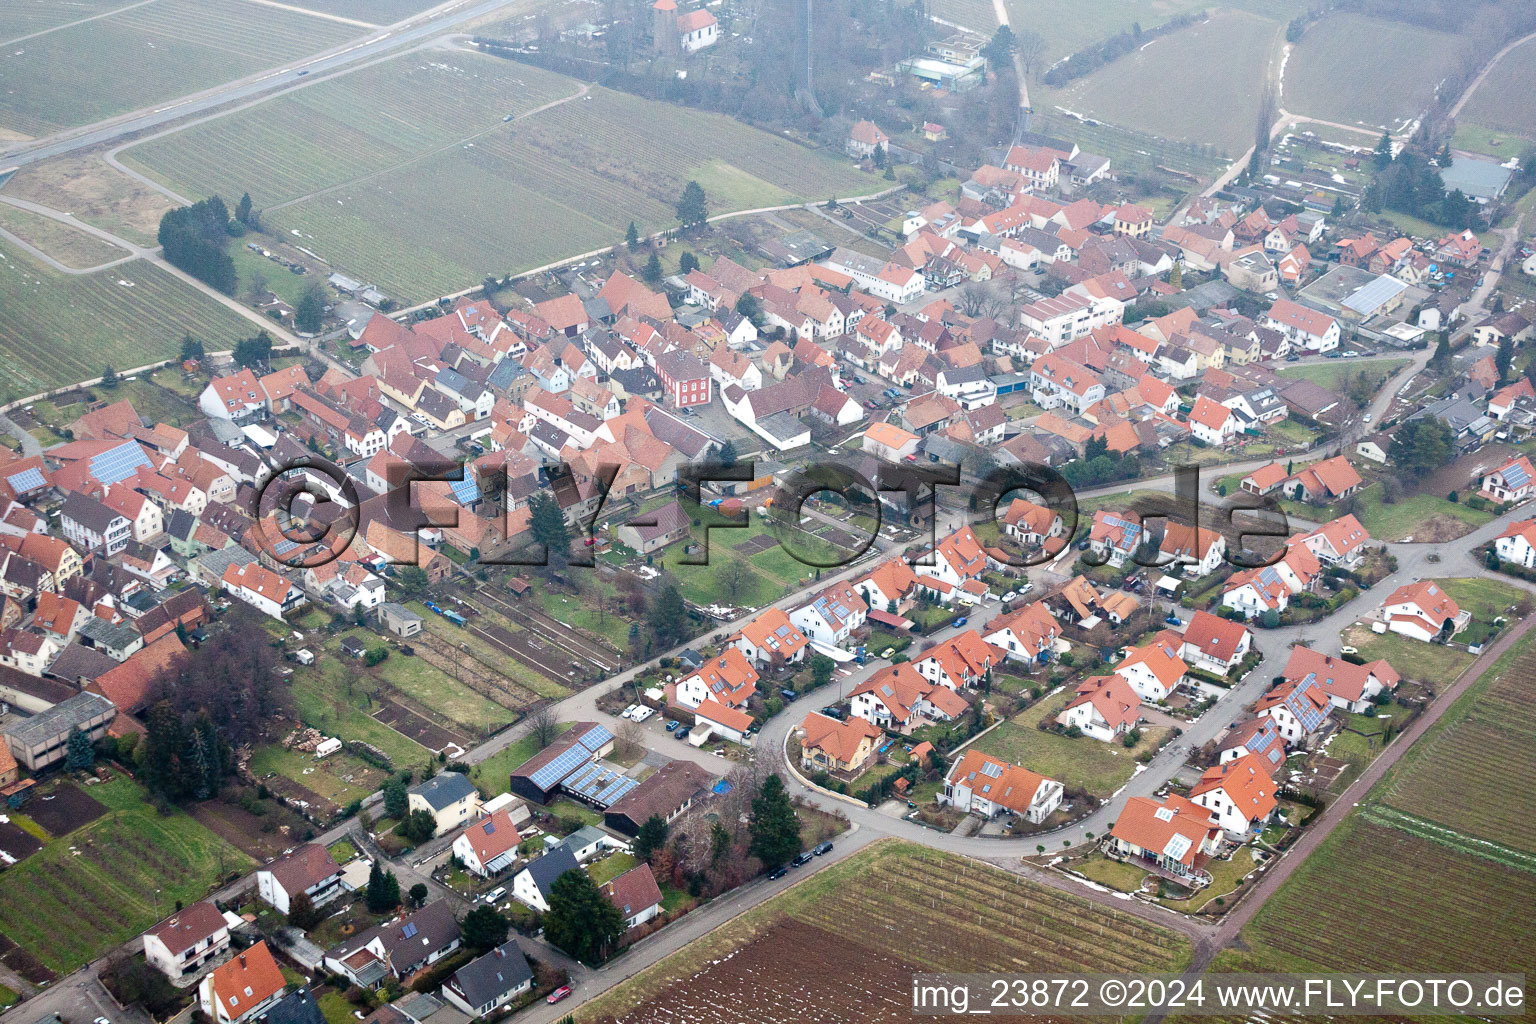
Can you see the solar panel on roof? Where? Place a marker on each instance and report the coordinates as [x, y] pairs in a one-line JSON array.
[[465, 491], [562, 765], [595, 737], [1516, 476], [992, 770], [782, 631], [27, 480], [117, 464], [409, 931]]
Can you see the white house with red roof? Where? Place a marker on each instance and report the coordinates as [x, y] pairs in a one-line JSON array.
[[831, 616], [1212, 422], [488, 845], [1517, 543], [1114, 536], [1175, 835], [1215, 644], [898, 698], [982, 784], [1424, 611], [262, 589], [1154, 671], [1348, 686], [1338, 542], [1323, 481], [865, 137], [1029, 523], [1256, 591], [771, 638], [962, 660], [728, 678], [1028, 634], [1303, 327], [248, 985], [1513, 481], [730, 723], [1239, 792], [1104, 708], [958, 560], [1299, 708]]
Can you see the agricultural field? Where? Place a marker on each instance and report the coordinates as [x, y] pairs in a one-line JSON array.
[[70, 246], [1487, 742], [417, 179], [126, 316], [942, 913], [147, 53], [1200, 84], [23, 19], [1068, 25], [121, 872], [1358, 70], [1505, 101], [1374, 898], [379, 12], [1099, 768]]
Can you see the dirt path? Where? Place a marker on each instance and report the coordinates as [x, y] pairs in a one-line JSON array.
[[1492, 63]]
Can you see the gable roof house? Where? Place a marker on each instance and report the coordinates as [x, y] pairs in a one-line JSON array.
[[489, 845], [982, 784], [399, 947], [1239, 792], [1299, 708], [1104, 708], [1349, 687], [239, 990], [1176, 836], [1338, 542], [1215, 644], [1154, 670], [834, 746], [308, 869], [1323, 481], [490, 982], [1514, 481], [185, 941], [1423, 611], [900, 699], [1028, 634], [636, 895]]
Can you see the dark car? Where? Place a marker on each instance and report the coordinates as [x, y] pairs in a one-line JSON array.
[[788, 694], [801, 861], [822, 849], [778, 872]]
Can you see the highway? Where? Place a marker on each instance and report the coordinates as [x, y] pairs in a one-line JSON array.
[[303, 72]]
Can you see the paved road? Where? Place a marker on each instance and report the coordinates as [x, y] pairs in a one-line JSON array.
[[405, 33]]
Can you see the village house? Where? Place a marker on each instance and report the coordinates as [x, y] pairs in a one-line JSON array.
[[771, 639], [1423, 611], [1113, 537], [182, 943], [636, 895], [1154, 670], [1257, 736], [240, 990], [1105, 708], [1240, 793], [729, 679], [1175, 835], [900, 699], [1215, 644], [1306, 328], [1517, 544], [1515, 481], [830, 617], [827, 744], [1028, 634], [984, 785], [308, 869], [488, 846], [449, 797], [1339, 542], [1299, 708], [490, 982], [1348, 686], [1322, 482]]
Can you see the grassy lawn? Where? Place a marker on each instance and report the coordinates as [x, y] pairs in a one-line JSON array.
[[1335, 372], [335, 698], [583, 611], [1113, 873], [1225, 877], [494, 772], [1099, 768], [610, 867], [1485, 598], [494, 658], [568, 808], [428, 685], [342, 851], [334, 1006], [1431, 663], [1398, 522], [8, 996], [70, 246], [121, 873], [329, 778]]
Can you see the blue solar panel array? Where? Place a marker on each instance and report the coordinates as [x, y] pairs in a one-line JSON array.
[[465, 491], [563, 764], [28, 479], [595, 738], [599, 785], [1307, 713], [1515, 475], [117, 464]]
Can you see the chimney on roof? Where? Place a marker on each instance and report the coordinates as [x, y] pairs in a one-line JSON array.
[[242, 960]]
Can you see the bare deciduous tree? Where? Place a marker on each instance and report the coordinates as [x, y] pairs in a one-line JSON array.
[[542, 725]]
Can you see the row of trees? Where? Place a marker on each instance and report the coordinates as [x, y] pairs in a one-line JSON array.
[[196, 239]]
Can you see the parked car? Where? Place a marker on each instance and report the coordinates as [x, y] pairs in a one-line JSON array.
[[787, 693], [961, 621], [558, 994], [629, 712], [495, 894], [888, 653], [1026, 588], [802, 860], [672, 725], [778, 872], [822, 849], [642, 713]]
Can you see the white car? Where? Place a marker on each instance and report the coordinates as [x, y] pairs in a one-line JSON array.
[[642, 713], [1026, 588], [1367, 418], [629, 712]]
